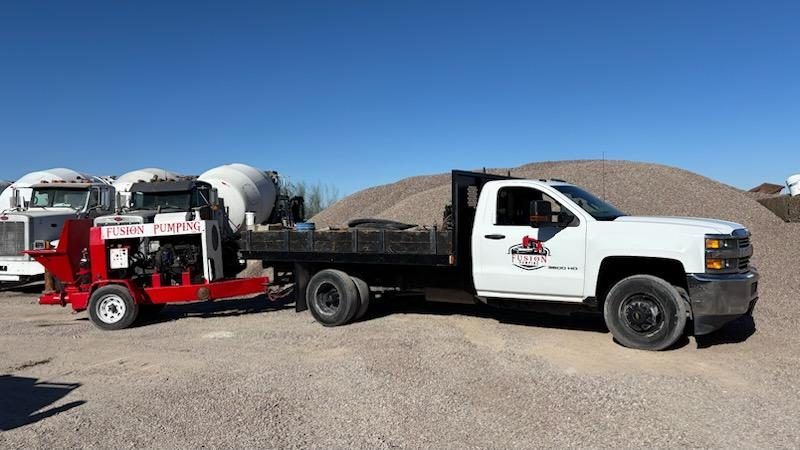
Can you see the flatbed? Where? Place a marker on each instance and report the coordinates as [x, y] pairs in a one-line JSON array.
[[528, 244]]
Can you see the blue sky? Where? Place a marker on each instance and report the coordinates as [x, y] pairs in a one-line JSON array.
[[366, 92]]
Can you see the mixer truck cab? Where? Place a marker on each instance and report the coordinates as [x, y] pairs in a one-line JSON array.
[[164, 201], [541, 245], [33, 220]]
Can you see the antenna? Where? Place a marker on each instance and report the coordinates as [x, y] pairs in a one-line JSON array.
[[604, 175]]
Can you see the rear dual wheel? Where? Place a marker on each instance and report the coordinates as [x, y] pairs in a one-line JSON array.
[[335, 298]]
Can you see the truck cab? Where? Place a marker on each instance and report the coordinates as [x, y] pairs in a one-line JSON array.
[[551, 241], [163, 201], [37, 223]]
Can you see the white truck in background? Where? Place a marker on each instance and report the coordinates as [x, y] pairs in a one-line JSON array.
[[33, 210]]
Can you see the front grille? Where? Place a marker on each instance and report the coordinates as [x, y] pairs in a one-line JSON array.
[[746, 247], [12, 238], [744, 263]]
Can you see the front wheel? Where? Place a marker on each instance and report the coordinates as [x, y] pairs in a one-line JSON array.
[[645, 312], [112, 308]]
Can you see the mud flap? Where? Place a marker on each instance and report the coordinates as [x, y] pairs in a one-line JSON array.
[[301, 277]]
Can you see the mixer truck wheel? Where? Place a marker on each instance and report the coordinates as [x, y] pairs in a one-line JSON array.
[[112, 308], [363, 295], [332, 297], [645, 312]]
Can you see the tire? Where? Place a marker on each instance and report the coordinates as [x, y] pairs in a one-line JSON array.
[[332, 297], [645, 312], [363, 296], [112, 308], [379, 224]]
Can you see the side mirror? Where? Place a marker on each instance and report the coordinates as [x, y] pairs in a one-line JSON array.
[[13, 200], [565, 218], [213, 197], [105, 199], [541, 213]]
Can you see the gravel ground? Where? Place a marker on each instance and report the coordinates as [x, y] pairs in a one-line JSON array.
[[250, 374], [256, 374]]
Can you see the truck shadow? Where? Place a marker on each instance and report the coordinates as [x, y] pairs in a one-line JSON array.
[[580, 321], [732, 333], [22, 397], [735, 332], [215, 309]]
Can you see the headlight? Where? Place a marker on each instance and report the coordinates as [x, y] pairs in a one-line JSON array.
[[728, 253], [720, 244], [718, 264]]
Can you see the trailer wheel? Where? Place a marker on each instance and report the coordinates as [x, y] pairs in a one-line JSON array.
[[363, 296], [112, 308], [332, 297], [645, 312]]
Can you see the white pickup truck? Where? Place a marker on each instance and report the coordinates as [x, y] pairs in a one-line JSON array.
[[530, 244]]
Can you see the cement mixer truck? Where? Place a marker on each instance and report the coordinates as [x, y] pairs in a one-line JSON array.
[[157, 195], [33, 210], [227, 194]]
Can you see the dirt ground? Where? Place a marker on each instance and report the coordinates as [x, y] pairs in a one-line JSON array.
[[256, 374]]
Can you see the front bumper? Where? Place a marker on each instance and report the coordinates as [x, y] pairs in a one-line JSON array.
[[719, 299], [19, 270]]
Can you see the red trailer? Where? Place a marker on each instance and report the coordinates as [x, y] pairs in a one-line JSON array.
[[120, 272]]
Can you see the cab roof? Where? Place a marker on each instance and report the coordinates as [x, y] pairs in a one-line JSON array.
[[64, 185], [167, 186]]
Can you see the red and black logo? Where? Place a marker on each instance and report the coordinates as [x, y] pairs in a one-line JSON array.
[[531, 254]]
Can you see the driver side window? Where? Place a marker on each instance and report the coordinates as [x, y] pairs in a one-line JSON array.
[[514, 203], [41, 199]]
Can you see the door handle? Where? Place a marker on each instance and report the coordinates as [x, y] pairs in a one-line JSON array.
[[495, 236]]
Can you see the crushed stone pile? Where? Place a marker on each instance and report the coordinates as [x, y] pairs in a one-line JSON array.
[[634, 187]]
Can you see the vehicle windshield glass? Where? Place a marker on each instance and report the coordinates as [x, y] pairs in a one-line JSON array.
[[59, 198], [165, 200], [596, 207]]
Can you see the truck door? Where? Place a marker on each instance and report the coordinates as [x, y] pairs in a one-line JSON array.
[[512, 259]]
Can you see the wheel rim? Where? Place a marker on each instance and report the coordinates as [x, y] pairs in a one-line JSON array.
[[111, 308], [327, 299], [642, 314]]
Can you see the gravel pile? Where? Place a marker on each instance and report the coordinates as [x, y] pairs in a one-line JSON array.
[[636, 188]]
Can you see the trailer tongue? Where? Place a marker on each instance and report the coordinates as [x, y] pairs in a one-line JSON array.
[[118, 272]]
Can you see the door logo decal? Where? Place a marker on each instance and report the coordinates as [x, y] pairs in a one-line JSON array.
[[531, 254]]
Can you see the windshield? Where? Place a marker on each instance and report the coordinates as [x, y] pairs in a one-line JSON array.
[[59, 198], [165, 200], [598, 209]]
